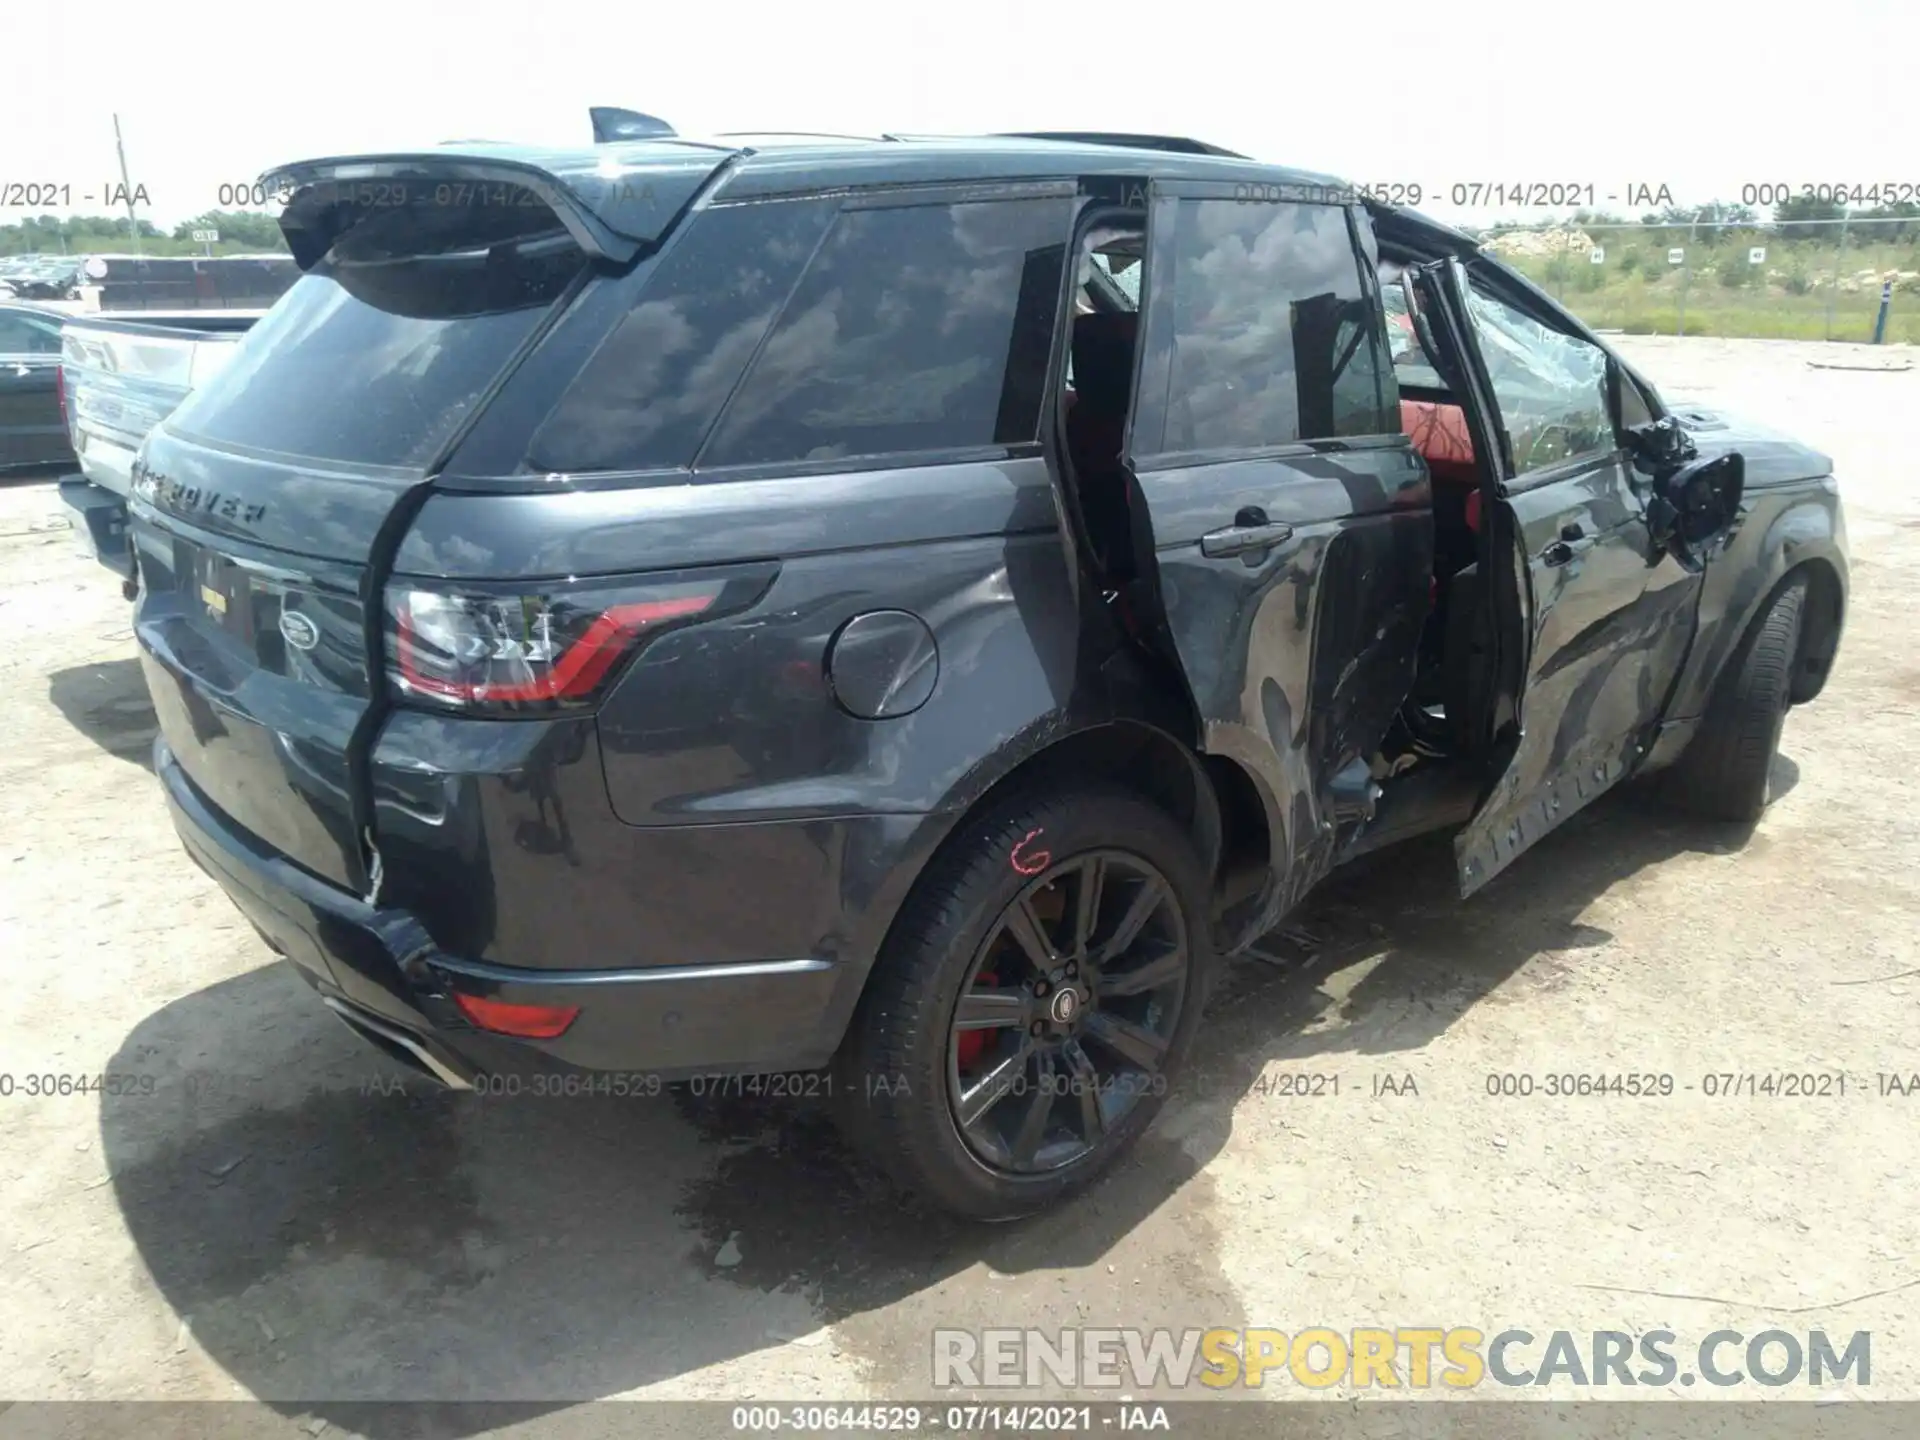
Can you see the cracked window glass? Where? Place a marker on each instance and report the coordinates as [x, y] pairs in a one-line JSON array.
[[1551, 388]]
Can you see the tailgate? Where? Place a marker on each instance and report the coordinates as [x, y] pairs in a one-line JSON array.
[[255, 654]]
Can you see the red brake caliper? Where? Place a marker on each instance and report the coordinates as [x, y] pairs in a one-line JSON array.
[[972, 1042]]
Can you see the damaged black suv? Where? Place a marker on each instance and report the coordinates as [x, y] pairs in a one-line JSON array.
[[903, 609]]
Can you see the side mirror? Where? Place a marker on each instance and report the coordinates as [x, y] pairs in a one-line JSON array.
[[1691, 511]]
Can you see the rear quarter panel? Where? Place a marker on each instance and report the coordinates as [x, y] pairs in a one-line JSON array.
[[735, 720], [751, 815]]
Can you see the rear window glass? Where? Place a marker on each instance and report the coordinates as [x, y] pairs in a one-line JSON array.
[[922, 328], [380, 352]]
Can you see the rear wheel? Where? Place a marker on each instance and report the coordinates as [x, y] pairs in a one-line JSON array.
[[1033, 1003], [1725, 769]]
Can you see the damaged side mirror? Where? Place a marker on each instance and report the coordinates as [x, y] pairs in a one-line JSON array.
[[1691, 511]]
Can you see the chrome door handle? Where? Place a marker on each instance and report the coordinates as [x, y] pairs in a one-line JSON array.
[[1243, 539]]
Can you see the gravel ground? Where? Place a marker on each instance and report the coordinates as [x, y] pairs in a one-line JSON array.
[[275, 1213]]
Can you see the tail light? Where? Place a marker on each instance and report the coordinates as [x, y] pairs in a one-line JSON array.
[[552, 650], [531, 1022]]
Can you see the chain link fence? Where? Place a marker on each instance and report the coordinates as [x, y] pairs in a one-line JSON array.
[[1843, 279]]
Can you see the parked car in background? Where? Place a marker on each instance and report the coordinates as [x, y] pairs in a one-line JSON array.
[[901, 610], [122, 376], [33, 429], [48, 277]]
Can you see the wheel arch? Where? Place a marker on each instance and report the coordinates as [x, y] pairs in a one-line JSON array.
[[1821, 622], [1213, 798]]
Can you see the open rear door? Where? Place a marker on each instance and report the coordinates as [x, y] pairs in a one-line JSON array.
[[1289, 520]]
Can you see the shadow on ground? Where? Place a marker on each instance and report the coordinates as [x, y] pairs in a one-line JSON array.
[[108, 703], [334, 1234]]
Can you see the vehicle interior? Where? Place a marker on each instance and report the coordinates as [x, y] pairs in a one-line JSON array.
[[1437, 722], [1438, 731], [1095, 395]]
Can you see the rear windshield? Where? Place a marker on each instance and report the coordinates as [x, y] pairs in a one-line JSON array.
[[379, 353]]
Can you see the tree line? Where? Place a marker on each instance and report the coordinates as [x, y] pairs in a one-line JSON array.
[[242, 232]]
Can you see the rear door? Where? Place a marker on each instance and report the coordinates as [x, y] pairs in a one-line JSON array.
[[1595, 619], [32, 430], [264, 506], [1291, 521]]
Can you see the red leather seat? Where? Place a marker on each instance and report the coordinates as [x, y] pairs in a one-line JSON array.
[[1439, 432]]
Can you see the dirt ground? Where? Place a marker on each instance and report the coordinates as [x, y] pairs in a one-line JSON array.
[[258, 1219]]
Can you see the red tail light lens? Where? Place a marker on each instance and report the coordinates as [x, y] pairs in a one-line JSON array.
[[550, 651], [530, 1022]]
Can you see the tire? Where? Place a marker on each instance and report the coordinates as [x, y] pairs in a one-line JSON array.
[[1723, 774], [906, 1071]]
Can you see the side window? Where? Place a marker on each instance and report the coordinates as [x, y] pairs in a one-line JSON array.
[[1551, 388], [922, 328], [651, 392], [1258, 331], [23, 335]]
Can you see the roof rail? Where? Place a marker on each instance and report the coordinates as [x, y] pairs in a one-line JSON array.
[[1178, 144], [797, 135]]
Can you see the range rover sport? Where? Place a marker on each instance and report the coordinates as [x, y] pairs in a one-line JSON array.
[[911, 606]]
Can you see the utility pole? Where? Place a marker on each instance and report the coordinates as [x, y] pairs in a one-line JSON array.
[[126, 187]]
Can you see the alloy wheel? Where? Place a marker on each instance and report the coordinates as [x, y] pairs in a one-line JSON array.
[[1067, 1013]]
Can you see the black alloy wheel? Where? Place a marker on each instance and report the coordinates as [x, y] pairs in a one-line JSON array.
[[1068, 1011]]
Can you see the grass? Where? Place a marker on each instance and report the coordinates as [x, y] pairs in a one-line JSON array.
[[1786, 298]]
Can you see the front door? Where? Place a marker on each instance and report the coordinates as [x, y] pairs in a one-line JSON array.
[[1291, 521], [1596, 617]]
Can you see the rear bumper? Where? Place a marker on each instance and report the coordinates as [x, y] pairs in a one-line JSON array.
[[379, 970]]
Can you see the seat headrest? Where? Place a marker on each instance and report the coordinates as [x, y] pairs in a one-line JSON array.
[[1103, 356]]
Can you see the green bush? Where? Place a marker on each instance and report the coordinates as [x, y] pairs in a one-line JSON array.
[[1629, 262], [1797, 281]]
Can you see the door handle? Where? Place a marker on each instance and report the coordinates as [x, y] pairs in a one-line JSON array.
[[1244, 539], [1573, 540], [1562, 552]]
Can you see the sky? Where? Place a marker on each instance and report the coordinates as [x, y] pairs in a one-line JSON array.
[[1701, 98]]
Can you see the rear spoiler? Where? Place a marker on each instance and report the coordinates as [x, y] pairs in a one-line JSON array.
[[614, 200]]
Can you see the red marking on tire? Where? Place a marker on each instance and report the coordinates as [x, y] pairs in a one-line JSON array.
[[1031, 864]]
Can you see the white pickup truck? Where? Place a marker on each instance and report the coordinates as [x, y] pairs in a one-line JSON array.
[[122, 376]]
